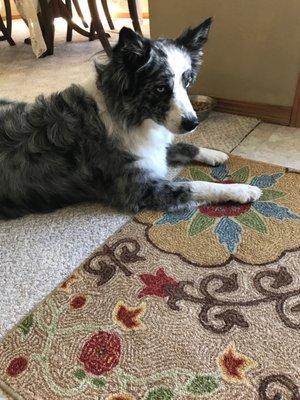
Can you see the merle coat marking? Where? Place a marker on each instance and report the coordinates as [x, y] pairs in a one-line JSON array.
[[110, 140]]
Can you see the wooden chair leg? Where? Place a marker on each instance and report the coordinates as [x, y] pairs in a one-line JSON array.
[[69, 29], [6, 35], [107, 14], [79, 12], [47, 20], [134, 16], [99, 27], [92, 32], [8, 16]]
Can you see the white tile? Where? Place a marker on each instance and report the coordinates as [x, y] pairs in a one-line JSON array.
[[271, 143]]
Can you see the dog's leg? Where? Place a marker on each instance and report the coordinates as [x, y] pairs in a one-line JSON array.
[[138, 190], [206, 192], [184, 153]]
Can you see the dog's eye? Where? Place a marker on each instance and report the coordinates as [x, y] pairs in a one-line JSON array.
[[161, 89]]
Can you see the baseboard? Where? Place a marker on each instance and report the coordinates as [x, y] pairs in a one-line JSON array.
[[266, 112], [145, 15], [16, 16]]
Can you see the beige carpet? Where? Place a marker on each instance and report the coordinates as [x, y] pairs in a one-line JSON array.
[[37, 252]]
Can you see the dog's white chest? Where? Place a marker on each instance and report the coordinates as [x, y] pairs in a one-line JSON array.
[[150, 145]]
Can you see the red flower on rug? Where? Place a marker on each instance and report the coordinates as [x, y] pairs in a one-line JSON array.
[[78, 302], [129, 318], [155, 285], [228, 209], [17, 366], [234, 365], [120, 396], [101, 353]]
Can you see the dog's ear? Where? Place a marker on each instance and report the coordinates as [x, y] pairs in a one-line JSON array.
[[133, 48], [193, 39]]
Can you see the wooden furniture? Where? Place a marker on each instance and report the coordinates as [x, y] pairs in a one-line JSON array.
[[57, 8], [51, 9], [132, 11], [6, 30], [134, 16]]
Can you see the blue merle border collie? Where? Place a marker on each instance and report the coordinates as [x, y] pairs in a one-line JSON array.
[[110, 140]]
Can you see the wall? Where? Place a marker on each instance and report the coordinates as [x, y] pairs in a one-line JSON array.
[[253, 53]]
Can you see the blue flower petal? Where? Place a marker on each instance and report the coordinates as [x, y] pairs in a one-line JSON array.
[[174, 218], [273, 210], [229, 233], [219, 172], [265, 181]]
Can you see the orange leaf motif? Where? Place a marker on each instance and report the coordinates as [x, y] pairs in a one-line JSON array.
[[65, 286], [129, 318], [234, 365]]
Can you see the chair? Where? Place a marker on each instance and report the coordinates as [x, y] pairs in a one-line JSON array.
[[6, 30], [57, 8], [132, 11]]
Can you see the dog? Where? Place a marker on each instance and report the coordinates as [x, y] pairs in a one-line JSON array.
[[110, 139]]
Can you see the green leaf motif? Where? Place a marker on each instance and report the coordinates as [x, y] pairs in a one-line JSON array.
[[241, 175], [161, 393], [79, 374], [203, 384], [269, 194], [198, 175], [253, 221], [199, 224], [26, 324], [99, 382]]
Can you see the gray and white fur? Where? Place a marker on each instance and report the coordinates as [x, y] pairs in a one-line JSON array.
[[110, 140]]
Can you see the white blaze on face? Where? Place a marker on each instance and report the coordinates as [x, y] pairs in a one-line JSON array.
[[179, 62]]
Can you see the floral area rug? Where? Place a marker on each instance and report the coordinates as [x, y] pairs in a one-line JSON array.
[[175, 306]]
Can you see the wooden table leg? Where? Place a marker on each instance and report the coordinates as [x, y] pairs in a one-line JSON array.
[[99, 27], [134, 16]]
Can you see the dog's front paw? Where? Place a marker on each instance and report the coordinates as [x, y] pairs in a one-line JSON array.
[[246, 193], [212, 157]]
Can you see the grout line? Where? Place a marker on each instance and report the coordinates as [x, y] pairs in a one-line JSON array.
[[251, 130]]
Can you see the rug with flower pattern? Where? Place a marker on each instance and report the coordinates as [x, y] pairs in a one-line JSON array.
[[195, 305]]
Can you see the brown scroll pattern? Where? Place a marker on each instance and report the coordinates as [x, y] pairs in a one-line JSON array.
[[220, 315], [105, 263]]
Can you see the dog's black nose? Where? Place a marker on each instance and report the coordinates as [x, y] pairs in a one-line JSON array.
[[189, 123]]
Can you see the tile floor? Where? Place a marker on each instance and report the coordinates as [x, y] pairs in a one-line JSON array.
[[271, 143]]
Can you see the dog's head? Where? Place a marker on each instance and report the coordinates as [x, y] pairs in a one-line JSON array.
[[149, 79]]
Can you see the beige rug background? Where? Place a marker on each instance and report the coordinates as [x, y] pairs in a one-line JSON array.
[[37, 252]]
